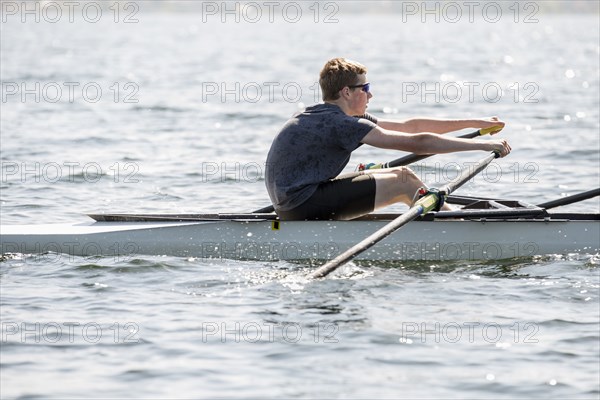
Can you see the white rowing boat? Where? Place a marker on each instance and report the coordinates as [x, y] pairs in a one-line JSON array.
[[482, 230]]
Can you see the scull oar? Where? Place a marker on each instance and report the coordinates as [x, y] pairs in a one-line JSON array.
[[570, 199], [408, 159], [427, 203]]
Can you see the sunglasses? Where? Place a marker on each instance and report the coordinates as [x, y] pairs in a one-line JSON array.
[[365, 87]]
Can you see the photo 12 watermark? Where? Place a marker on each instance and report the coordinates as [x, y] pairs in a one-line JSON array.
[[253, 12], [468, 92], [268, 332], [68, 171], [453, 250], [470, 11], [45, 333], [53, 12], [468, 332], [31, 251], [69, 92], [515, 172]]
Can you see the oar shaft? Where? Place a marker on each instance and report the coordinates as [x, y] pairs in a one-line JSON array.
[[422, 206], [570, 199], [367, 243]]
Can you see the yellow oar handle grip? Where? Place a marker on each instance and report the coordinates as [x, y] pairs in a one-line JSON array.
[[428, 202], [491, 129]]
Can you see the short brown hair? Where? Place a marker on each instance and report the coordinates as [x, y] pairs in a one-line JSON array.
[[337, 74]]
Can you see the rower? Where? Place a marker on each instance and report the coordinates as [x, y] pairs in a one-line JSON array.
[[311, 150]]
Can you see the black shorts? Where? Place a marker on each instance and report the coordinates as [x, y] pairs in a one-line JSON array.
[[345, 197]]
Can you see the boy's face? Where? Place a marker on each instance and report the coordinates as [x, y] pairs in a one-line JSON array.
[[359, 96]]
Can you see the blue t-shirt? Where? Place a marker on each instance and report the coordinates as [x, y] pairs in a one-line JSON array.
[[312, 147]]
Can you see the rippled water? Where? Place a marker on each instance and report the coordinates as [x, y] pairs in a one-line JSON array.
[[180, 328]]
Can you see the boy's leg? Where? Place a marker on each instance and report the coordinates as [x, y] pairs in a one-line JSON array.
[[396, 185]]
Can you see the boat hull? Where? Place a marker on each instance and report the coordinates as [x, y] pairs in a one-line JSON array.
[[270, 240]]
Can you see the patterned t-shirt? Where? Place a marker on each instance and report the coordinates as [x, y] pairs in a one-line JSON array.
[[312, 147]]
